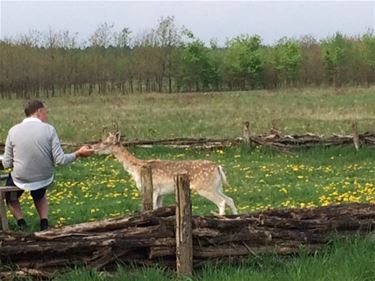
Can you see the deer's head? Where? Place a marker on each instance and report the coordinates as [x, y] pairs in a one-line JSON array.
[[354, 124], [109, 140], [246, 125]]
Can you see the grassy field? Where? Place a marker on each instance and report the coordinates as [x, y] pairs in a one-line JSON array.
[[349, 261], [153, 116], [97, 187]]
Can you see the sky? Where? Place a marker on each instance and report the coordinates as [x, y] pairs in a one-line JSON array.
[[221, 20]]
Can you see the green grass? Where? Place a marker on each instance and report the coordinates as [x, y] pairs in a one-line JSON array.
[[352, 260], [153, 116], [97, 187]]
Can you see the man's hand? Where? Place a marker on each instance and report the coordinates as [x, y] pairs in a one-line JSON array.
[[84, 151]]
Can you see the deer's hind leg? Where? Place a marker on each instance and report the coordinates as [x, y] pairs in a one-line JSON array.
[[159, 201], [229, 201], [155, 197], [216, 198]]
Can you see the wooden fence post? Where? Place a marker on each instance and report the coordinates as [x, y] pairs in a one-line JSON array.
[[147, 188], [3, 213], [184, 238]]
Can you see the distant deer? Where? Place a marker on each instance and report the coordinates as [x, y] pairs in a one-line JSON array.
[[206, 177], [246, 132], [275, 128], [355, 135]]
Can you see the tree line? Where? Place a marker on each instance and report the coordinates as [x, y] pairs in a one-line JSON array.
[[169, 58]]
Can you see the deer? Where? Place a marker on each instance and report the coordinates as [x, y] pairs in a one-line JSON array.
[[246, 132], [206, 177], [356, 140], [275, 129]]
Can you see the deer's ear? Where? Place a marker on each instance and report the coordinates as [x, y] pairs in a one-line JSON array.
[[117, 137], [104, 133]]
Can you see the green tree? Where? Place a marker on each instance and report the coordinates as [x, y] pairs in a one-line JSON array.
[[243, 60], [287, 60], [335, 51], [102, 38], [197, 69], [368, 40], [311, 71], [215, 56], [168, 37]]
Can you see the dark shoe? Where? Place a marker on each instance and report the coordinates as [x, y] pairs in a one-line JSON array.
[[43, 224], [22, 224]]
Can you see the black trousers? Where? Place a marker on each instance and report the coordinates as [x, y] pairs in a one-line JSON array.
[[14, 195]]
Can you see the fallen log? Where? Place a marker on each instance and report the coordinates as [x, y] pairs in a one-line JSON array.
[[149, 238], [281, 143]]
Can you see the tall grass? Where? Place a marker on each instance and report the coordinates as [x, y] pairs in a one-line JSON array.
[[153, 116]]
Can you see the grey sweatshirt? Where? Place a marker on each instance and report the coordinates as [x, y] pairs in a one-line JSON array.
[[31, 149]]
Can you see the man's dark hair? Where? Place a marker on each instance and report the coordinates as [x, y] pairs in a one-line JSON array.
[[32, 106]]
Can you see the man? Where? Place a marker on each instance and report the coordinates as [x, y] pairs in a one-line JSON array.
[[31, 150]]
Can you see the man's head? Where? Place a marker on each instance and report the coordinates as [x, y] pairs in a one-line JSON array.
[[35, 108]]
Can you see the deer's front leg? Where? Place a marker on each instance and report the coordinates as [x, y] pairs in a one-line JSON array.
[[155, 197], [160, 202]]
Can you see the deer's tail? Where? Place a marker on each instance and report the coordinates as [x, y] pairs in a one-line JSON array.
[[222, 175]]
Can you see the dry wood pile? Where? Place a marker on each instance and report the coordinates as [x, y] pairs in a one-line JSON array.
[[149, 238], [309, 140], [278, 142]]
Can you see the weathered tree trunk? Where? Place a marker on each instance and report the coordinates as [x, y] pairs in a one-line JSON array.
[[149, 238], [280, 143]]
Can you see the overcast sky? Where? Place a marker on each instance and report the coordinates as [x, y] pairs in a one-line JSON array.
[[206, 19]]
